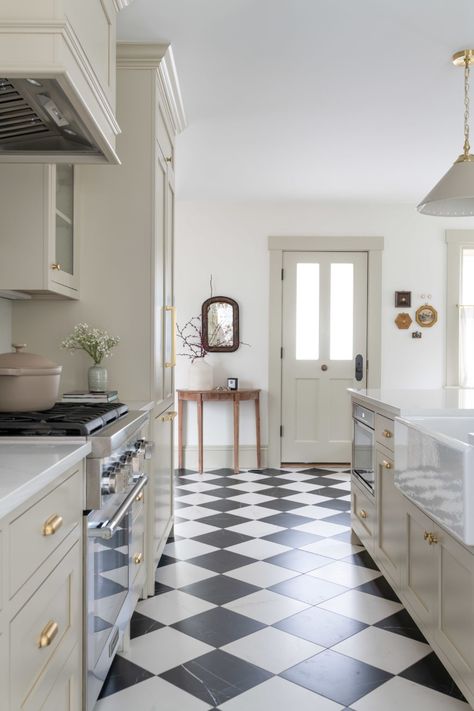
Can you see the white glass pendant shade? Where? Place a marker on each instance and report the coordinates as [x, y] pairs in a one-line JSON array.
[[453, 196]]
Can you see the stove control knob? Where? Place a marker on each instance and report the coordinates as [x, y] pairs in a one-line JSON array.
[[140, 446], [149, 447], [109, 481]]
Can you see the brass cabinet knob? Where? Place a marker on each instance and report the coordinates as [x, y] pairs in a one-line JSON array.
[[430, 537], [363, 514], [137, 558], [52, 525], [169, 159], [387, 434], [48, 634], [56, 267], [169, 417], [386, 464], [139, 497]]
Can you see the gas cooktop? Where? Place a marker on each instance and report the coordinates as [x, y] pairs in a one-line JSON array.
[[65, 419]]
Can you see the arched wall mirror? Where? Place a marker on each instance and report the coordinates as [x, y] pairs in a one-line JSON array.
[[220, 325]]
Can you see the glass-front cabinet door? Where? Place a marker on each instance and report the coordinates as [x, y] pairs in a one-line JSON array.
[[63, 267]]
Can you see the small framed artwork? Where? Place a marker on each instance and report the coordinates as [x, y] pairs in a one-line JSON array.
[[233, 383], [426, 316], [403, 298], [403, 320]]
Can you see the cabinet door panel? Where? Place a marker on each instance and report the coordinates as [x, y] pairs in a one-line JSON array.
[[162, 477], [158, 285], [422, 568], [169, 334], [390, 533]]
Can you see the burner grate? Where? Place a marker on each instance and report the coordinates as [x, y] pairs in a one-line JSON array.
[[63, 419]]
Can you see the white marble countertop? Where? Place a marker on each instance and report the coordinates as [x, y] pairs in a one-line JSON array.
[[28, 467], [145, 405], [446, 401]]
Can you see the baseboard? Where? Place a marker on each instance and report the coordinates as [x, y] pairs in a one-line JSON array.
[[217, 457]]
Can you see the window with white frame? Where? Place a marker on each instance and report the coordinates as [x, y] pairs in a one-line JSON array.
[[460, 308]]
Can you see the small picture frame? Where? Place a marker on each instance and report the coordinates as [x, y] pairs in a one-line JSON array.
[[426, 316], [403, 299], [233, 383]]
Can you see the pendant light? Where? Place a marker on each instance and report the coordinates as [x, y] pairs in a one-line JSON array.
[[453, 196]]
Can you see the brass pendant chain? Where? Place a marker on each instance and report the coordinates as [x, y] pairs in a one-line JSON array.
[[467, 147]]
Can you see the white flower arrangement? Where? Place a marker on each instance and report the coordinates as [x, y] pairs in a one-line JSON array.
[[94, 341]]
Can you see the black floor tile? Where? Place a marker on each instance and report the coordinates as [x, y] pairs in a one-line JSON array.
[[278, 492], [220, 589], [103, 587], [222, 505], [401, 623], [216, 677], [347, 537], [326, 481], [140, 624], [223, 538], [380, 588], [363, 559], [160, 588], [340, 678], [430, 672], [290, 537], [342, 519], [274, 482], [329, 491], [224, 471], [337, 504], [166, 560], [302, 561], [287, 520], [122, 674], [269, 472], [223, 520], [320, 626], [316, 470], [109, 560], [282, 504], [218, 626], [225, 481], [226, 492], [221, 561], [308, 589]]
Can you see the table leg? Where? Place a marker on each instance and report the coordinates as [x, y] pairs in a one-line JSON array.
[[236, 434], [257, 427], [180, 434], [200, 437]]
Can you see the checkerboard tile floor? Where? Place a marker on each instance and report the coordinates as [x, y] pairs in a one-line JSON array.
[[263, 602]]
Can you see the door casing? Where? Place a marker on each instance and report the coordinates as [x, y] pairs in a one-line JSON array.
[[373, 246]]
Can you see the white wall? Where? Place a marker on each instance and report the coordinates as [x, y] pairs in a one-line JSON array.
[[5, 326], [229, 240]]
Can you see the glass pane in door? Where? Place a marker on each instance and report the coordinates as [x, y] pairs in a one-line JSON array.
[[64, 244], [341, 312], [64, 217], [307, 311]]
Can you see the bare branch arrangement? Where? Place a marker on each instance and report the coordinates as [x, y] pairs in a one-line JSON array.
[[190, 335]]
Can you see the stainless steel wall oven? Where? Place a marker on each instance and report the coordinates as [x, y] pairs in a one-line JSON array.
[[363, 446]]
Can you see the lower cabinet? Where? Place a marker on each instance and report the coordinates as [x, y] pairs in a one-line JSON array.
[[389, 546], [363, 515]]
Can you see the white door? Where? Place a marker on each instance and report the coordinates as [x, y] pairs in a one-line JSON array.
[[324, 336]]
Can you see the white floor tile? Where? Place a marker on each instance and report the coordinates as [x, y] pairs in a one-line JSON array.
[[193, 528], [256, 512], [345, 574], [298, 476], [385, 650], [345, 486], [278, 694], [258, 549], [321, 528], [250, 486], [262, 574], [266, 606], [173, 606], [301, 486], [177, 575], [196, 499], [256, 529], [272, 649], [164, 649], [187, 548], [305, 498], [251, 498], [205, 476], [400, 693], [361, 606], [198, 486], [314, 512], [193, 512], [345, 498], [333, 548], [153, 694], [249, 476], [118, 575]]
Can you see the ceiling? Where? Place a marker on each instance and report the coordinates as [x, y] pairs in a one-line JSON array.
[[312, 99]]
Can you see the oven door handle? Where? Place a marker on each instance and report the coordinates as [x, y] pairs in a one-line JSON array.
[[108, 528]]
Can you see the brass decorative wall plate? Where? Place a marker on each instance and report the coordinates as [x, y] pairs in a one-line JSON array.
[[403, 320], [426, 316]]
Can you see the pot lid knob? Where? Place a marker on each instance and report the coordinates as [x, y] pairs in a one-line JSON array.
[[18, 347]]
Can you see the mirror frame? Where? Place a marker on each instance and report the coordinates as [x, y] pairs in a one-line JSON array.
[[205, 322]]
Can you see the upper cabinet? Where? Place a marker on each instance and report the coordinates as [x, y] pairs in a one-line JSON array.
[[57, 81], [40, 255]]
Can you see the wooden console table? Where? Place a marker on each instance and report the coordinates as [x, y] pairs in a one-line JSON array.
[[199, 397]]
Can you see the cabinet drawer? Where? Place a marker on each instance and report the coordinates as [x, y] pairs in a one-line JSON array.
[[52, 615], [384, 430], [39, 530], [363, 515], [137, 548]]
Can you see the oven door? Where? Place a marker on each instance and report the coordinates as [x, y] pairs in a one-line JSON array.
[[107, 601], [363, 465]]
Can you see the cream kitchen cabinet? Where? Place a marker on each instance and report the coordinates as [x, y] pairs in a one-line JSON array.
[[40, 254], [41, 593], [389, 548]]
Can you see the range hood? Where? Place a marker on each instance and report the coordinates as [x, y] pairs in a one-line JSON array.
[[37, 118]]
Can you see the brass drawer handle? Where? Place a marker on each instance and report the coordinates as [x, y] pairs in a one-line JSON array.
[[56, 267], [52, 525], [363, 514], [386, 464], [48, 634], [137, 558], [387, 434], [169, 417], [140, 496], [430, 537]]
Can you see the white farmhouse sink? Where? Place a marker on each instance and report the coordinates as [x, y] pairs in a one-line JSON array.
[[434, 467]]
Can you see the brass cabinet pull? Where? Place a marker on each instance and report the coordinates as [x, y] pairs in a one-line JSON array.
[[137, 558], [363, 514], [387, 434], [48, 634], [169, 417], [172, 362], [139, 497], [430, 537], [52, 525], [169, 159], [56, 267], [386, 464]]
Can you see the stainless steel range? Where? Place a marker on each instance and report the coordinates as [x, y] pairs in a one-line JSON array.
[[114, 525]]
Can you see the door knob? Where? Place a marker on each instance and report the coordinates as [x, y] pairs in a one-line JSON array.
[[324, 366]]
